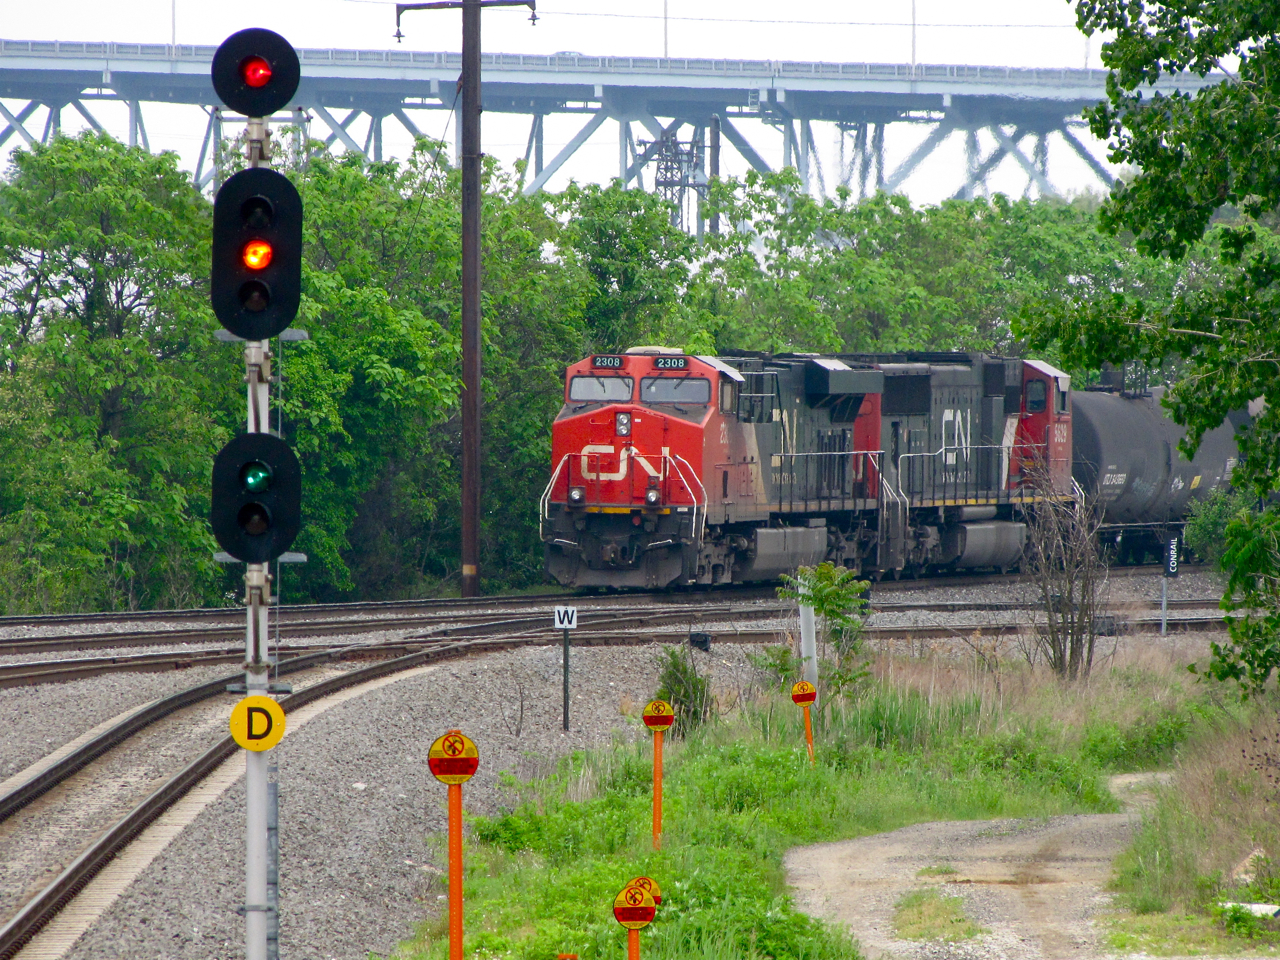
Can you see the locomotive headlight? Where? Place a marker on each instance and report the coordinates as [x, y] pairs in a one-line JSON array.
[[623, 424], [652, 497], [577, 496]]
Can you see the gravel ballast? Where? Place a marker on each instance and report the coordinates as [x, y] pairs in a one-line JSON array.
[[359, 807]]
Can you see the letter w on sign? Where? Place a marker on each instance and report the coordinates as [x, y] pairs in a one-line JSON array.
[[566, 618]]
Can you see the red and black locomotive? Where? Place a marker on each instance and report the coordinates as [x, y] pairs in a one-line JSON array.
[[676, 469]]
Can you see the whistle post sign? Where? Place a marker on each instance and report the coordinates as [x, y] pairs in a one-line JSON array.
[[257, 723]]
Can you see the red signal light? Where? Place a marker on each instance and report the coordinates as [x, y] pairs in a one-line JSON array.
[[256, 254], [255, 71]]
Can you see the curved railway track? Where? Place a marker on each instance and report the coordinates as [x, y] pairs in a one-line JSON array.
[[460, 640]]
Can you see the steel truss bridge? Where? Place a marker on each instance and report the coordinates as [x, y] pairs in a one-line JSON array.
[[671, 114]]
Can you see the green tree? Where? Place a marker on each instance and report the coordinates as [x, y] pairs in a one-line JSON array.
[[109, 421], [1203, 195]]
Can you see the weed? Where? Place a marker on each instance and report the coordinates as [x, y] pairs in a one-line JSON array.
[[929, 915], [680, 685], [936, 870]]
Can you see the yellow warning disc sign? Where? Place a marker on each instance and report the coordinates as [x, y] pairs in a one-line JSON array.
[[634, 908], [804, 693], [644, 883], [658, 715], [453, 758], [257, 723]]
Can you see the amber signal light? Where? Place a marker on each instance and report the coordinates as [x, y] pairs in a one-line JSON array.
[[255, 71], [257, 254]]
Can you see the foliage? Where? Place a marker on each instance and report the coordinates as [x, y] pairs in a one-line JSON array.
[[1203, 192], [838, 599], [114, 394], [681, 686], [1252, 653], [1206, 527], [1064, 560], [738, 795], [108, 426], [840, 607]]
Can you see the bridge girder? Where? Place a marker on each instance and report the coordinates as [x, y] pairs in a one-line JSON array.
[[858, 101]]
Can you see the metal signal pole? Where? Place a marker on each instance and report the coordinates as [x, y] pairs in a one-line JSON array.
[[469, 161]]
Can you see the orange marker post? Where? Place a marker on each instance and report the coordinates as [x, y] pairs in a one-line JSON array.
[[453, 760], [658, 716], [634, 908], [804, 693]]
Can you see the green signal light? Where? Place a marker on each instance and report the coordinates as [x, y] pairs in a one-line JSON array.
[[255, 477]]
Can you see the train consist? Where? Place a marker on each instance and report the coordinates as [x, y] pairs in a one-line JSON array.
[[675, 469]]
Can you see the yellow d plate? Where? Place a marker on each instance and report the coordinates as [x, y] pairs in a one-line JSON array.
[[257, 723]]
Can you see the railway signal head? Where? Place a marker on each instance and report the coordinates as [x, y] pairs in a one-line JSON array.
[[256, 278], [257, 497], [256, 72]]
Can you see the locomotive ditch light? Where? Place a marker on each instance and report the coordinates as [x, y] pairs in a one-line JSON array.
[[577, 496], [622, 424], [652, 497]]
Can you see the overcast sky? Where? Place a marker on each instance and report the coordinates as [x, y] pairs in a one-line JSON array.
[[1037, 33]]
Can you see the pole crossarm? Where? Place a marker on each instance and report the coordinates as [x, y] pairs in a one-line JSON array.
[[402, 8]]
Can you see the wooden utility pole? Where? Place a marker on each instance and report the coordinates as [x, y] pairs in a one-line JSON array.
[[469, 162]]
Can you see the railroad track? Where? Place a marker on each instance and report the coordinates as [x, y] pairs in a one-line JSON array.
[[212, 618], [392, 657], [40, 909], [54, 671]]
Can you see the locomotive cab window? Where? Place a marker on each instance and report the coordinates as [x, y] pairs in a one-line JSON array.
[[601, 389], [728, 396], [675, 390], [1060, 398], [1037, 396]]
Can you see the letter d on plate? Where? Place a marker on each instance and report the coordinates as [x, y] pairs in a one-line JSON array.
[[257, 723]]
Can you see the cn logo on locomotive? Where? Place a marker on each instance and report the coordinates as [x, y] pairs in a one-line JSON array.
[[628, 453]]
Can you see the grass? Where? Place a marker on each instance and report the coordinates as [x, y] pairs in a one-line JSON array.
[[1220, 806], [929, 915], [924, 740], [936, 870], [1181, 934]]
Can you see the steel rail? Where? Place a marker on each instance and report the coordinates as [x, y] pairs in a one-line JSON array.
[[443, 605], [37, 912], [40, 909], [313, 628]]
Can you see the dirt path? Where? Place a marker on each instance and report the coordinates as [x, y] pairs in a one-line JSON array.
[[1034, 884]]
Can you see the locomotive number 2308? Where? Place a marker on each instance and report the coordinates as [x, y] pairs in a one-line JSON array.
[[670, 363]]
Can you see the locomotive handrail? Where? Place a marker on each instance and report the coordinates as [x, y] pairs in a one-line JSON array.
[[544, 502], [848, 483], [701, 530], [972, 486], [699, 524]]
